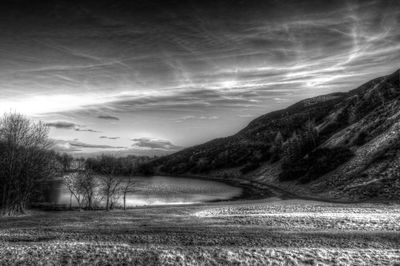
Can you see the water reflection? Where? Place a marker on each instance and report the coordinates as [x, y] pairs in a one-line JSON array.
[[162, 190]]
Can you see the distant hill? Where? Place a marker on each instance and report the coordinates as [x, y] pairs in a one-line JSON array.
[[340, 145]]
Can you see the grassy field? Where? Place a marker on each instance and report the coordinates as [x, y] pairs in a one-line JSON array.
[[263, 232]]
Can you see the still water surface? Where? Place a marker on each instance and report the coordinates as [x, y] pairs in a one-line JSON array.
[[163, 190]]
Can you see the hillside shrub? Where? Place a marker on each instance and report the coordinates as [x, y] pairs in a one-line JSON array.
[[361, 138], [315, 164], [325, 160], [249, 167]]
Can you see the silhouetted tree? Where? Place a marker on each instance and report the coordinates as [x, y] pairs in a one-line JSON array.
[[65, 160], [89, 184], [74, 185], [109, 181], [25, 161], [127, 187]]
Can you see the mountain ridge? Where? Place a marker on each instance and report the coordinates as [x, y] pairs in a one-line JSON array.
[[359, 130]]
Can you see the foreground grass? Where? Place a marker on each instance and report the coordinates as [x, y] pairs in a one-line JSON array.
[[254, 232]]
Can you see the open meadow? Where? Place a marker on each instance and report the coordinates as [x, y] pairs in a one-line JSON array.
[[258, 232]]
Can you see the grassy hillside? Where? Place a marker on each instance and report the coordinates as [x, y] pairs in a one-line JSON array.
[[343, 145]]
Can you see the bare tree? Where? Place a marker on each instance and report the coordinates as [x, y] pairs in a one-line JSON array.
[[89, 184], [127, 188], [109, 186], [65, 160], [109, 182], [25, 161], [83, 186], [73, 183]]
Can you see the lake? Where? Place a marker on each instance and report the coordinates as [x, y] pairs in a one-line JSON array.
[[163, 190]]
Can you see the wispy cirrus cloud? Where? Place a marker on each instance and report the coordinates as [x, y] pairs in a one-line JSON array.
[[319, 45], [204, 61]]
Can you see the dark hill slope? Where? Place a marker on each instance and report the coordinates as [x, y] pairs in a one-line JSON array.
[[251, 144], [336, 145]]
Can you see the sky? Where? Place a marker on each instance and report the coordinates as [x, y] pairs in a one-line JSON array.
[[156, 76]]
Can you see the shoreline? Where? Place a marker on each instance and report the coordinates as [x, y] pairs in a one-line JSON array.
[[252, 190], [249, 190]]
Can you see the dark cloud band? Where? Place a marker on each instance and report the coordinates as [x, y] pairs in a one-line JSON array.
[[108, 117]]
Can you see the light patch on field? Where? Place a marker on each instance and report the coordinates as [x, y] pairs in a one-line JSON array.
[[297, 217]]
